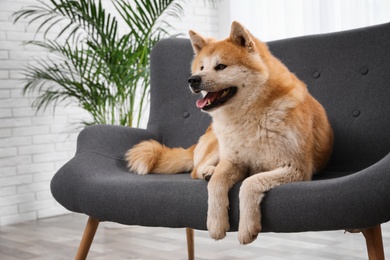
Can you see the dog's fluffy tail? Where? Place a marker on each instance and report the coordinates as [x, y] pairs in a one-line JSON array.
[[152, 157]]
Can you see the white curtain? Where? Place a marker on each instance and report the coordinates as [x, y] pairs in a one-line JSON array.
[[277, 19]]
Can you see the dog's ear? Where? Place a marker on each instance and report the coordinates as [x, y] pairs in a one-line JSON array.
[[198, 41], [239, 35]]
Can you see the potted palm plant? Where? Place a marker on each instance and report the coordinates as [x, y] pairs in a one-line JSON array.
[[104, 72]]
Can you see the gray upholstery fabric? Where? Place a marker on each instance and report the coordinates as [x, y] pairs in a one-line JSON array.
[[173, 112], [348, 72]]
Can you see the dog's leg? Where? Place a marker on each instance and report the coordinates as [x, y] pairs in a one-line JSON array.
[[252, 192], [206, 169], [226, 174], [206, 156]]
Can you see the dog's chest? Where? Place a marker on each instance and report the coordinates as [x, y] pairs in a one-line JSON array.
[[260, 142]]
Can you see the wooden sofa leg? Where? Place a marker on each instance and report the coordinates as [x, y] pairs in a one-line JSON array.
[[86, 241], [374, 243], [190, 243]]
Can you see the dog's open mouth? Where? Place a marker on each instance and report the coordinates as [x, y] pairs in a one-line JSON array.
[[214, 99]]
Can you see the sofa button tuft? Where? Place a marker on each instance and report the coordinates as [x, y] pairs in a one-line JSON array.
[[363, 71], [186, 114], [356, 113], [316, 74]]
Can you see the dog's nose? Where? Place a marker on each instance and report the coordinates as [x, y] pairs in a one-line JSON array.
[[195, 82]]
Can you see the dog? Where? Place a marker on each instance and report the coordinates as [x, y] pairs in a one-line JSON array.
[[266, 130]]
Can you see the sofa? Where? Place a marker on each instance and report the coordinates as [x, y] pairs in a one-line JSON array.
[[348, 72]]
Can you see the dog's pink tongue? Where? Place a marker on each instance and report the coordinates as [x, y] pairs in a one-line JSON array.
[[201, 103]]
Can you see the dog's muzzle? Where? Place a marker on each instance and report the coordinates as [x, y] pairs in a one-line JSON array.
[[195, 83]]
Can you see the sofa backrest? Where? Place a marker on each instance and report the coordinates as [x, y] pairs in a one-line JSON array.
[[347, 72], [173, 114]]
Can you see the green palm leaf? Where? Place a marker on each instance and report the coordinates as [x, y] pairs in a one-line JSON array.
[[105, 73]]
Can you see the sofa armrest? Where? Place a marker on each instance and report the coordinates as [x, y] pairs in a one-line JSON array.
[[110, 140], [99, 158]]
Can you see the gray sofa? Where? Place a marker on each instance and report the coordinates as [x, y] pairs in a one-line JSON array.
[[348, 72]]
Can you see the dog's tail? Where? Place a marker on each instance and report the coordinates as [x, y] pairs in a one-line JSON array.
[[152, 157]]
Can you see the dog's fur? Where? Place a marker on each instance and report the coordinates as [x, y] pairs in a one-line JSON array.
[[269, 128]]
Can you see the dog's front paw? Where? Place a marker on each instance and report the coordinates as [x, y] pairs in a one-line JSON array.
[[143, 156], [207, 172], [250, 216], [248, 230], [217, 227], [203, 172]]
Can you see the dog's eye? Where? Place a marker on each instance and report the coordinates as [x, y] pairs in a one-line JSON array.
[[220, 67], [201, 68]]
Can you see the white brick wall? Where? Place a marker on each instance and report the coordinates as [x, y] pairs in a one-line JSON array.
[[34, 146]]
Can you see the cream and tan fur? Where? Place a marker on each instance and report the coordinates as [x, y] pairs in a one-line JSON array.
[[271, 131]]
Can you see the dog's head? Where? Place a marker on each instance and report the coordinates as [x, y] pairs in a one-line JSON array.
[[229, 73]]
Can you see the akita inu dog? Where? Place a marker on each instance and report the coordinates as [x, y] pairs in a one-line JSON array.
[[266, 130]]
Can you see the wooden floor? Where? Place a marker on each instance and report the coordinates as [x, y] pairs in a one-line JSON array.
[[58, 238]]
